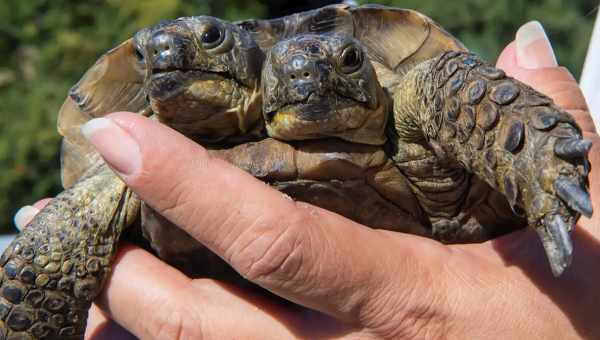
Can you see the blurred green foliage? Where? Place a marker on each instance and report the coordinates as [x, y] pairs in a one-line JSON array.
[[486, 26], [47, 45]]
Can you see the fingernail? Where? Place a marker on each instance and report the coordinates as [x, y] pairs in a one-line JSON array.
[[116, 146], [534, 50], [24, 216]]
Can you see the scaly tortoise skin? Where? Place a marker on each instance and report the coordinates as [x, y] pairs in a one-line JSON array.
[[473, 117], [325, 178], [68, 248], [453, 116], [55, 268]]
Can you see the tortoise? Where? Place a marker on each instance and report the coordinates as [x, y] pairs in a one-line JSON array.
[[54, 269], [450, 116], [459, 127]]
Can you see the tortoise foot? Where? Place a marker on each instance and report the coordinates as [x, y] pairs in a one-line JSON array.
[[38, 299], [514, 138]]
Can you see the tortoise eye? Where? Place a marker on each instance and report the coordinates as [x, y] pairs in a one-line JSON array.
[[212, 37], [139, 55], [351, 59]]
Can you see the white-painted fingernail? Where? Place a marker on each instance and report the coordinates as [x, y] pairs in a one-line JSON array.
[[534, 49], [24, 216], [118, 148]]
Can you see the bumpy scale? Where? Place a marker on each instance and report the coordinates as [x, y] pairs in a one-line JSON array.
[[202, 68], [474, 117], [58, 264], [201, 76]]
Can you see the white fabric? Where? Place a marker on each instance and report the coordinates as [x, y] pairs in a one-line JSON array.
[[590, 77]]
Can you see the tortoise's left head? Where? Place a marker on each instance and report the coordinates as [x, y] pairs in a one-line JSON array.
[[317, 86], [202, 76]]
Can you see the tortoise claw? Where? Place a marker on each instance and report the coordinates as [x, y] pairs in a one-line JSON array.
[[576, 197], [569, 148], [554, 233]]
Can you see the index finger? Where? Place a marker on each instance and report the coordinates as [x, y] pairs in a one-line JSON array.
[[302, 253]]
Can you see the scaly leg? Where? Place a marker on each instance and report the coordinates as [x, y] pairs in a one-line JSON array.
[[472, 116], [53, 270]]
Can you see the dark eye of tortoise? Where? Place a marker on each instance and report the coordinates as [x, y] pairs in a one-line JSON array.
[[351, 59], [211, 37]]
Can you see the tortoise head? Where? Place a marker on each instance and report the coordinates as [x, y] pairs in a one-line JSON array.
[[317, 86], [202, 76]]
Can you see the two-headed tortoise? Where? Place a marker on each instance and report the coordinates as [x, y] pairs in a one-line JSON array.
[[428, 140]]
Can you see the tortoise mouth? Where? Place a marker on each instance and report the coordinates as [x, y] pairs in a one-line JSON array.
[[164, 84], [180, 74], [313, 108], [161, 71], [191, 100]]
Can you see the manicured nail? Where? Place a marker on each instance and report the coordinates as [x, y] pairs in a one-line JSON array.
[[534, 50], [116, 146], [24, 216]]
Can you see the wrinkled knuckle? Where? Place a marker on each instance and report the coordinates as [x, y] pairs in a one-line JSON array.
[[178, 199], [277, 255], [178, 324], [168, 327], [142, 179], [413, 324], [414, 314], [177, 203], [424, 322]]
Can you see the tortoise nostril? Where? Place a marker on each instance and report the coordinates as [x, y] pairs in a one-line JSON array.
[[292, 76], [162, 42], [306, 74]]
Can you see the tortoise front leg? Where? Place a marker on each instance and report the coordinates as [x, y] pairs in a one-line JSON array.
[[54, 269], [472, 116]]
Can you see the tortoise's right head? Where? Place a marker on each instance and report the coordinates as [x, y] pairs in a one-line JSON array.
[[317, 86], [202, 76]]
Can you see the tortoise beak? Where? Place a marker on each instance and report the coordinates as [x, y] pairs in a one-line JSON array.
[[169, 52], [169, 47]]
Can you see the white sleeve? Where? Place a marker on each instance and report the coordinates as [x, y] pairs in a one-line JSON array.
[[590, 77]]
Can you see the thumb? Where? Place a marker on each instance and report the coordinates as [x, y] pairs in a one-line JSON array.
[[531, 60], [531, 50]]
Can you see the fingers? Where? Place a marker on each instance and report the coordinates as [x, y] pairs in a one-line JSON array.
[[155, 301], [101, 327], [530, 59], [28, 212], [42, 203], [534, 50], [305, 254], [24, 216], [140, 282]]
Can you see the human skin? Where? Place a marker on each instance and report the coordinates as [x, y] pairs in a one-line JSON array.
[[348, 281]]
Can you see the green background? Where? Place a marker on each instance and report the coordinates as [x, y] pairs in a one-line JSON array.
[[45, 46]]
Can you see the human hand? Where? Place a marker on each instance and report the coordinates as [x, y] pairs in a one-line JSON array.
[[365, 283], [534, 63]]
